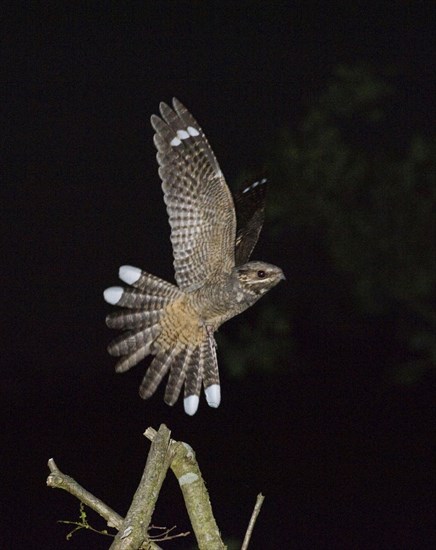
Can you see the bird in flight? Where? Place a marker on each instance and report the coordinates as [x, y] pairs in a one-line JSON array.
[[212, 236]]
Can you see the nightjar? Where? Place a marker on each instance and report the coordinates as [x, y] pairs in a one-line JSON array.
[[212, 242]]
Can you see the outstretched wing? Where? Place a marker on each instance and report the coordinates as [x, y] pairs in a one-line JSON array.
[[250, 213], [199, 203]]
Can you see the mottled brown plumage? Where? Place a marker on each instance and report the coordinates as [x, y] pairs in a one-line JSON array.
[[176, 323]]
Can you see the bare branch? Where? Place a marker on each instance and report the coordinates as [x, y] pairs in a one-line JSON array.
[[59, 480], [134, 530], [185, 467], [257, 507]]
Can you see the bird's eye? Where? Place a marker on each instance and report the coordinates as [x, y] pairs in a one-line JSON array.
[[261, 274]]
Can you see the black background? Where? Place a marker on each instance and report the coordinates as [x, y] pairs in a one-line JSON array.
[[344, 461]]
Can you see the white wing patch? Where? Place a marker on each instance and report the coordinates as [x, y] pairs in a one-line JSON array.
[[255, 184], [199, 203], [184, 134], [175, 142], [193, 131]]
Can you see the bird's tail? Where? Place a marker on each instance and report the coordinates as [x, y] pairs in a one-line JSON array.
[[148, 301]]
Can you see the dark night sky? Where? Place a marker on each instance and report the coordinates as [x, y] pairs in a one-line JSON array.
[[330, 448]]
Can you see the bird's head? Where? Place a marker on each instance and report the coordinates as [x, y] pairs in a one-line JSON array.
[[256, 278]]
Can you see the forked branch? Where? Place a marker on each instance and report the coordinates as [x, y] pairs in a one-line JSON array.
[[133, 529], [186, 469], [59, 480]]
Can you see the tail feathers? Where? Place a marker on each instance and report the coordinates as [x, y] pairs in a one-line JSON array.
[[177, 375], [128, 319], [186, 369], [147, 299], [149, 292], [131, 341], [211, 373], [145, 303], [194, 374], [137, 299], [155, 372], [145, 281], [129, 361], [190, 366]]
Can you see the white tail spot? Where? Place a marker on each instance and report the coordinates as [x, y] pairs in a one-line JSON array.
[[175, 142], [213, 395], [113, 294], [129, 274], [190, 404]]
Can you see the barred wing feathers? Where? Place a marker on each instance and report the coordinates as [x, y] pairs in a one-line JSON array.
[[199, 203]]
